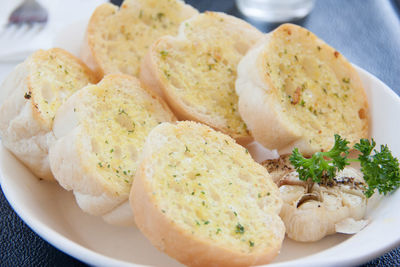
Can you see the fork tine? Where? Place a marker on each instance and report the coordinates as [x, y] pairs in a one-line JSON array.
[[21, 30], [9, 31]]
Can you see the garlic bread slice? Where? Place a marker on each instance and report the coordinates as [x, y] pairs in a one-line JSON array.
[[200, 197], [296, 91], [100, 133], [36, 89], [196, 70], [118, 38]]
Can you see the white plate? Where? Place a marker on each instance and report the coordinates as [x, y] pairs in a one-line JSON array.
[[52, 213]]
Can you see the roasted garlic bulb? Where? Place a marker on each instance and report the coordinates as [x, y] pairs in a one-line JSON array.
[[313, 210]]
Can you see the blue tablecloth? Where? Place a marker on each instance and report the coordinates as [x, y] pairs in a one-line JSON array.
[[367, 32]]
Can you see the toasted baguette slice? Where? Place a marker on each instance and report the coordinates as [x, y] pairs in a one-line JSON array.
[[100, 133], [196, 70], [200, 197], [36, 88], [117, 39], [296, 91]]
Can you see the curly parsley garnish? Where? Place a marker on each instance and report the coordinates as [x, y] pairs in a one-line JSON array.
[[380, 170]]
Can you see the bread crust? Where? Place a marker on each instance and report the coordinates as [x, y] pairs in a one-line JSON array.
[[69, 155], [88, 54], [260, 107], [168, 236], [24, 127]]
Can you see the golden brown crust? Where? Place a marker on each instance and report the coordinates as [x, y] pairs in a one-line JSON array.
[[88, 53]]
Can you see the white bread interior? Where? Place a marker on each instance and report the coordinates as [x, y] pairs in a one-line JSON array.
[[100, 132], [200, 197], [195, 71], [296, 91], [36, 88]]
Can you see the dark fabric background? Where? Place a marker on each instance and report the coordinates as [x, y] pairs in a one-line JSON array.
[[367, 32]]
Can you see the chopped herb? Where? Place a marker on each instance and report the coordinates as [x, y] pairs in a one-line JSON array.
[[206, 222], [167, 73], [121, 111], [251, 243], [164, 54], [239, 229], [160, 16], [100, 164], [218, 230]]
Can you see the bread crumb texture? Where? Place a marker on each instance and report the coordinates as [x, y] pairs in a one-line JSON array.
[[119, 38], [54, 76], [115, 118], [318, 90], [210, 188], [199, 67]]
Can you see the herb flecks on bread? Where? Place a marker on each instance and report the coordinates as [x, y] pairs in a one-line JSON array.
[[36, 89], [57, 76], [117, 39], [96, 155], [197, 69], [306, 90], [207, 200]]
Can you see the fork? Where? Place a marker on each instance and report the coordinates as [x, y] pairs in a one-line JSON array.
[[28, 12], [24, 23]]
